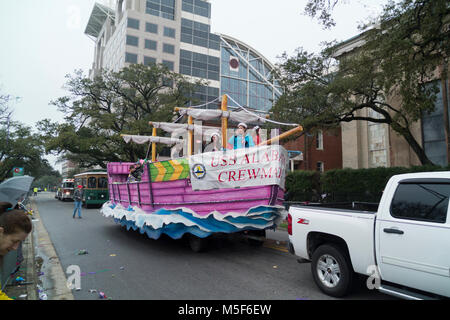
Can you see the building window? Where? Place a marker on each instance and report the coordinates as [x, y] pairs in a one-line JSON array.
[[149, 60], [433, 129], [150, 44], [199, 65], [320, 166], [203, 94], [161, 8], [168, 64], [319, 140], [130, 57], [132, 41], [169, 32], [151, 27], [198, 7], [168, 48], [198, 33], [133, 23]]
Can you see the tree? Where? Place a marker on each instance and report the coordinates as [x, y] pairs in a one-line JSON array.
[[99, 110], [22, 149], [19, 146], [322, 9], [398, 59], [47, 181]]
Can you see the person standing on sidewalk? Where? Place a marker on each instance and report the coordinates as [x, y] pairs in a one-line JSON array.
[[78, 198]]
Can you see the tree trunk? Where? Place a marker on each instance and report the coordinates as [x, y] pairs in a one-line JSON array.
[[417, 148]]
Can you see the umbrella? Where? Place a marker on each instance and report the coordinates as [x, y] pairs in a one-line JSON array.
[[14, 189]]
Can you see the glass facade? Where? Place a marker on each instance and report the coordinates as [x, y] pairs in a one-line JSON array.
[[249, 81], [433, 130], [199, 65], [199, 34], [161, 8], [199, 7], [204, 94]]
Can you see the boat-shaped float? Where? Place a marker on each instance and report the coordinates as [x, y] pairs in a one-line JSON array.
[[204, 193]]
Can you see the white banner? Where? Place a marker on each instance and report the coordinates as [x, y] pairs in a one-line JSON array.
[[257, 166]]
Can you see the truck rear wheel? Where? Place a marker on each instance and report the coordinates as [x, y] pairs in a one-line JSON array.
[[331, 270]]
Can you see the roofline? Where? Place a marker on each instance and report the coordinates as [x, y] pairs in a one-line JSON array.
[[250, 47], [106, 10], [90, 172]]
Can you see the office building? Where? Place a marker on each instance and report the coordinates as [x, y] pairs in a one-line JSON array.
[[177, 33]]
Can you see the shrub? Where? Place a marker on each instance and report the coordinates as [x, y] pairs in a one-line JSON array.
[[302, 186], [346, 185]]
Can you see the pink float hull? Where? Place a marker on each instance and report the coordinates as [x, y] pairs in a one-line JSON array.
[[151, 196]]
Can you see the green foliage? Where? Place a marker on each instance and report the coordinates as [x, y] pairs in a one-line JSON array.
[[19, 147], [99, 110], [302, 185], [49, 181], [396, 62], [346, 185], [322, 10]]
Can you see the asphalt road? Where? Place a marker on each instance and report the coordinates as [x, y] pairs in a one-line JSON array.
[[127, 265]]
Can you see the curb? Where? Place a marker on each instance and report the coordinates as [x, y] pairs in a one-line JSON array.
[[30, 267], [54, 273]]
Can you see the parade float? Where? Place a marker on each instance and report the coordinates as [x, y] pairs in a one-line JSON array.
[[204, 193]]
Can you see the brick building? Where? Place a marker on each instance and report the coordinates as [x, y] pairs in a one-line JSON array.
[[321, 151]]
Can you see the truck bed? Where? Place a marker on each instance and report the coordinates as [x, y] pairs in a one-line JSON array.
[[355, 226]]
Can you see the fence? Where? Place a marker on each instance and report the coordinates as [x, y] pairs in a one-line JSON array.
[[10, 263], [9, 266]]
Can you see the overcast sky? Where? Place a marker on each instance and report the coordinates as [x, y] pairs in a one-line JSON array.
[[43, 40]]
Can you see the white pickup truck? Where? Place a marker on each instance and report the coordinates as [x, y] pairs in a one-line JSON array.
[[403, 248]]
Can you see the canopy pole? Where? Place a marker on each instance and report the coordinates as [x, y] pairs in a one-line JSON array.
[[154, 146], [281, 136], [224, 121], [190, 136]]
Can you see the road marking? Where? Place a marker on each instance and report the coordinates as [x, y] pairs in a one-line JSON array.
[[275, 247]]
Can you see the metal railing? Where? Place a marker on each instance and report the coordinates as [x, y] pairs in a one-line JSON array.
[[9, 266], [353, 205], [10, 263]]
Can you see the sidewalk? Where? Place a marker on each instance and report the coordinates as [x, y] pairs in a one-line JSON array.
[[25, 290], [39, 255]]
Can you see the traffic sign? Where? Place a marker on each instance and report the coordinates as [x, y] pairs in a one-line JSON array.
[[18, 171]]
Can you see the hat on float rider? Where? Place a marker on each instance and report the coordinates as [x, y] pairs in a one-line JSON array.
[[242, 125]]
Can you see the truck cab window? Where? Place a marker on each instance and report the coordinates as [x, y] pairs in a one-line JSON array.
[[422, 201]]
